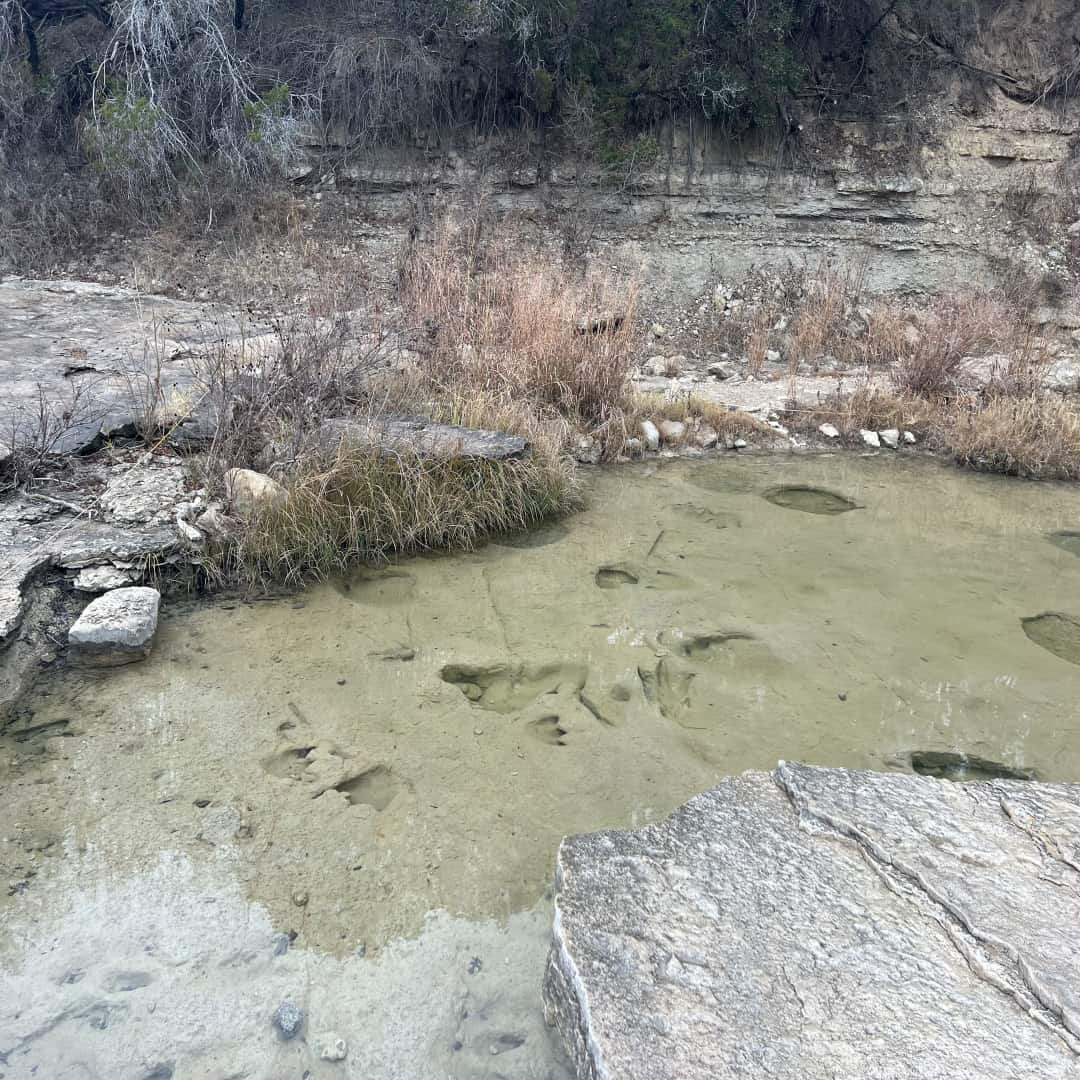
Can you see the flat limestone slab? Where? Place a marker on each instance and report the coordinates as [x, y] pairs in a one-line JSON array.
[[116, 628], [423, 436], [825, 923]]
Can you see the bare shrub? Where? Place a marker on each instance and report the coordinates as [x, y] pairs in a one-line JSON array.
[[954, 327], [757, 339], [519, 328], [827, 297], [270, 390]]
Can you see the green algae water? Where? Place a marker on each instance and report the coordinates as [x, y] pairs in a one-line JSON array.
[[388, 763]]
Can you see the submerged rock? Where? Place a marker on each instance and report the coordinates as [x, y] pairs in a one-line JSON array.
[[116, 628], [331, 1047], [288, 1019], [822, 923], [810, 500]]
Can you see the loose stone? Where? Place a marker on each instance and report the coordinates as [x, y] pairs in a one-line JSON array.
[[249, 491], [890, 437], [288, 1019], [116, 628], [651, 434], [99, 579], [672, 431], [871, 438], [706, 437], [829, 431]]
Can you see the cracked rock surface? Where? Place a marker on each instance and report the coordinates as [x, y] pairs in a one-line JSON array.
[[824, 923]]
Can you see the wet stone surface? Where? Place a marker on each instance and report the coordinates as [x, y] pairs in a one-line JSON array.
[[1057, 633]]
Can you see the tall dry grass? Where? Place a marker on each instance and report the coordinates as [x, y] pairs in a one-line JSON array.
[[519, 328], [1031, 436], [1026, 434], [954, 327]]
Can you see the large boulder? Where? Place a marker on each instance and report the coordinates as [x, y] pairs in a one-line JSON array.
[[116, 628], [825, 923]]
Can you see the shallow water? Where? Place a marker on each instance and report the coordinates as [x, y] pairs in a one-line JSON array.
[[418, 739]]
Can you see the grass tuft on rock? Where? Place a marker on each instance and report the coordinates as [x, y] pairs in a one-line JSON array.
[[364, 507]]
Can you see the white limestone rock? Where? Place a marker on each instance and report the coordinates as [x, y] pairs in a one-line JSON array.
[[821, 923], [651, 434], [100, 579], [116, 628], [248, 491], [672, 432]]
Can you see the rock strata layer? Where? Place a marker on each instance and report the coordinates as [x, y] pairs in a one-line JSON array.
[[823, 923], [421, 436]]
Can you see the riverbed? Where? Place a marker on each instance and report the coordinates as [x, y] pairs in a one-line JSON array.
[[352, 798]]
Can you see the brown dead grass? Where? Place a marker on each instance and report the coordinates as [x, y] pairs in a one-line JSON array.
[[519, 328], [1029, 434]]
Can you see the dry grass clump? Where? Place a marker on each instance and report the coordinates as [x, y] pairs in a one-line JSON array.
[[518, 328], [362, 506], [955, 326], [822, 318], [1030, 434], [871, 408], [805, 314], [695, 410], [1036, 437]]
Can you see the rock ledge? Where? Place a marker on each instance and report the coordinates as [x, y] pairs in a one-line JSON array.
[[823, 923]]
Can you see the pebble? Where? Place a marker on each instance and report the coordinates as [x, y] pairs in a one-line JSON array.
[[288, 1019], [300, 898], [740, 444], [909, 438]]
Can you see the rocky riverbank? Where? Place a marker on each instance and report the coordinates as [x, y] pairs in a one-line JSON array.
[[821, 922]]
